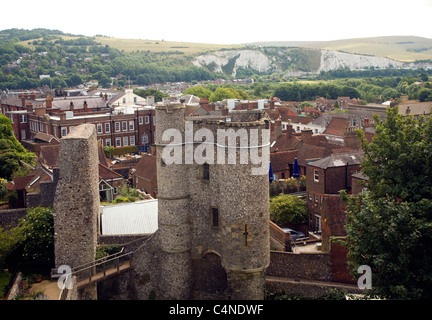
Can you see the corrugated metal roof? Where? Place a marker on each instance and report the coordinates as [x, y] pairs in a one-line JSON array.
[[139, 217]]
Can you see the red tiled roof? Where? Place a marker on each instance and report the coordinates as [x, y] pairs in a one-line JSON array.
[[280, 160], [337, 127], [146, 167]]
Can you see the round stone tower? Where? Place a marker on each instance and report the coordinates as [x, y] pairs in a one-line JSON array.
[[213, 205], [173, 201]]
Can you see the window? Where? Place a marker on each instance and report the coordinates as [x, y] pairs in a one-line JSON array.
[[108, 142], [132, 140], [125, 141], [131, 125], [23, 118], [316, 175], [41, 126], [215, 217], [154, 120], [63, 131], [55, 132], [12, 118], [117, 126], [135, 99], [316, 198], [99, 128], [118, 142], [144, 139], [310, 196], [23, 134], [101, 142], [124, 125], [206, 171], [140, 120], [107, 127], [147, 119]]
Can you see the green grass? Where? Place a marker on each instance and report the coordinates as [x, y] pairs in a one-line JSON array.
[[129, 45]]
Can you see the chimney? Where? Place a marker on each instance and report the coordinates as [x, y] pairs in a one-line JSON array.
[[86, 107], [33, 96], [23, 99], [40, 111], [71, 106], [350, 139], [29, 107], [225, 111], [277, 130], [272, 104], [106, 97], [307, 136], [48, 102], [289, 130]]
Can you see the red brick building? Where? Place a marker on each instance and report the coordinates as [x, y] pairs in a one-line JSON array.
[[116, 126], [326, 177]]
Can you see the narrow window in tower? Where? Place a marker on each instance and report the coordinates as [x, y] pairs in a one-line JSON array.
[[215, 217], [206, 171]]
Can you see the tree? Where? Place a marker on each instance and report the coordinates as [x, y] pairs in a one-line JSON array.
[[221, 94], [286, 209], [198, 91], [389, 227]]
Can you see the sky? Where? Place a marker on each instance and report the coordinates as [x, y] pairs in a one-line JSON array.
[[225, 21]]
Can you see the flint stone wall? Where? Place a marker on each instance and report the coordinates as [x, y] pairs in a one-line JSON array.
[[76, 204]]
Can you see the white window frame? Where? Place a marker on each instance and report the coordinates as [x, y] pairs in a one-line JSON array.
[[107, 127], [99, 128], [124, 125], [118, 142], [147, 119], [117, 127], [131, 125], [132, 140], [316, 175], [23, 118], [140, 120], [63, 131], [108, 142], [125, 141]]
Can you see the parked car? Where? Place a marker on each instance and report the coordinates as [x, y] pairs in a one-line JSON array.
[[295, 235]]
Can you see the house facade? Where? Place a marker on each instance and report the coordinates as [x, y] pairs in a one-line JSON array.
[[324, 179], [118, 124]]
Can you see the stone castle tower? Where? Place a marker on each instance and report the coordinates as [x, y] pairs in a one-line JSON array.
[[76, 204], [213, 227]]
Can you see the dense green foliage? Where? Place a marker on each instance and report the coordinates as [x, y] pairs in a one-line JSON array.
[[71, 62], [389, 228], [11, 151], [285, 209], [31, 243]]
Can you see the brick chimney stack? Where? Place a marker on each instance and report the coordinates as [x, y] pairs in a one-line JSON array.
[[48, 102], [307, 136], [85, 106]]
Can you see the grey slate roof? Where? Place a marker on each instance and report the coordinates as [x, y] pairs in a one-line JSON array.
[[338, 160]]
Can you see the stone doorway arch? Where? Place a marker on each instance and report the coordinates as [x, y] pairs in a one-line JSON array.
[[210, 278]]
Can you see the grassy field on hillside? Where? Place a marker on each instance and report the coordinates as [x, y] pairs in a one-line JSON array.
[[129, 45]]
